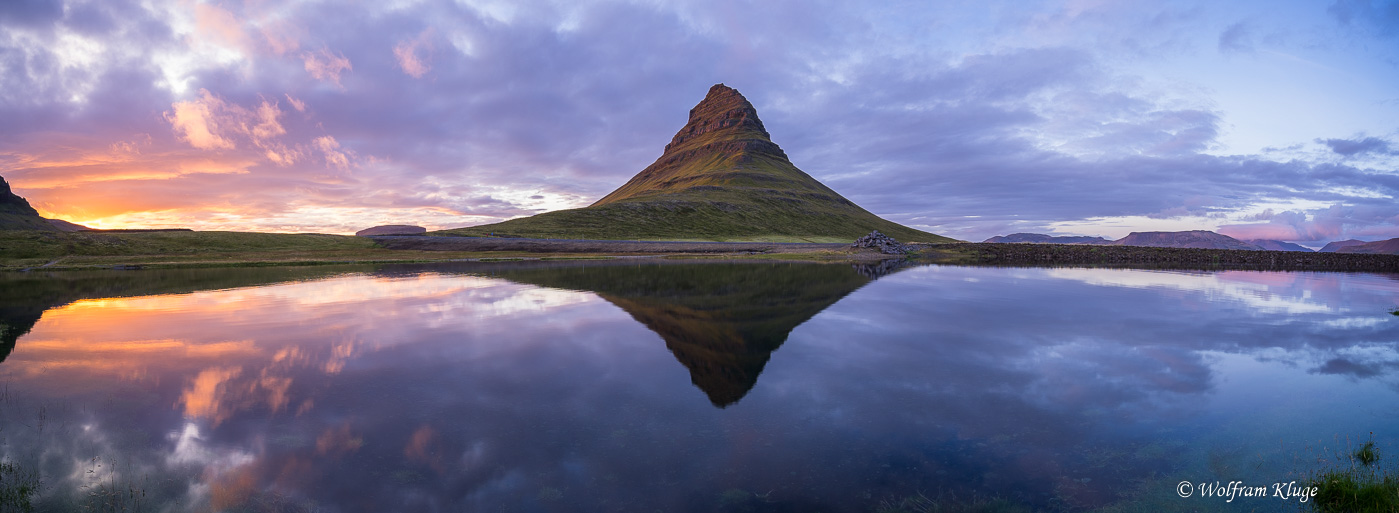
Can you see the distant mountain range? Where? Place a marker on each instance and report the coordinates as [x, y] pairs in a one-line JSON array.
[[1037, 238], [1277, 245], [720, 178], [1383, 247], [1332, 247], [1202, 239]]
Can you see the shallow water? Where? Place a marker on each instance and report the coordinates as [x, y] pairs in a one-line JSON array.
[[627, 386]]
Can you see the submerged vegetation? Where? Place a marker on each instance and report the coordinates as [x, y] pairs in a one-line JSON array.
[[17, 487], [1360, 486]]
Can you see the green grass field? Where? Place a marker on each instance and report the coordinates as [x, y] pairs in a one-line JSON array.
[[21, 249]]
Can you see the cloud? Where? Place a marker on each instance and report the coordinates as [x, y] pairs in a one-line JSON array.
[[1236, 38], [326, 66], [407, 54], [197, 122], [210, 123], [299, 105], [1379, 16], [331, 149], [1353, 147], [221, 27], [1336, 222], [496, 112]]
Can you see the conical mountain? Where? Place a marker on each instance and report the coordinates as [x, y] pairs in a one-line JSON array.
[[16, 214], [720, 178]]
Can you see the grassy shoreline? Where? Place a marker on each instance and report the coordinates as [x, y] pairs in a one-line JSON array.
[[52, 251], [1059, 255]]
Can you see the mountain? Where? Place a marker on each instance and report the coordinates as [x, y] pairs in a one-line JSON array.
[[1332, 247], [16, 214], [1036, 238], [1383, 247], [720, 178], [1192, 239], [1277, 245]]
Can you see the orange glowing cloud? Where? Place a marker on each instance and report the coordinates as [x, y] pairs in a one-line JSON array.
[[326, 66], [338, 441], [196, 122], [406, 52], [219, 26]]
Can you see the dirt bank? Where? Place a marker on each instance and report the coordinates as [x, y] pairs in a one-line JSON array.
[[435, 243]]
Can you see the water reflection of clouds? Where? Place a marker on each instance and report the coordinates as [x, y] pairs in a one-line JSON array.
[[292, 340], [457, 392], [1068, 357], [1270, 293]]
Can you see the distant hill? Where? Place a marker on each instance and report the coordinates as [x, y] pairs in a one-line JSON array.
[[1332, 247], [720, 178], [1201, 239], [1277, 245], [65, 226], [1037, 238], [1383, 247], [16, 214]]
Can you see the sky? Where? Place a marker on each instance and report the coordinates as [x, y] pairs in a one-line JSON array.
[[1276, 120]]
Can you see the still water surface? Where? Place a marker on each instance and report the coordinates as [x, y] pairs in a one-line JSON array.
[[687, 386]]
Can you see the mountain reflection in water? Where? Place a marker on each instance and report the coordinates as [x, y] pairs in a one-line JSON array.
[[525, 386], [722, 321]]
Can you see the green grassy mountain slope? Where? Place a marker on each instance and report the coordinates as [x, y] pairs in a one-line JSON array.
[[16, 214], [720, 178]]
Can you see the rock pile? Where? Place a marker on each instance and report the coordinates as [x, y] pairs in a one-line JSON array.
[[884, 243]]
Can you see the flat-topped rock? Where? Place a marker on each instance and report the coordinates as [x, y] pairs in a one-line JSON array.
[[391, 229]]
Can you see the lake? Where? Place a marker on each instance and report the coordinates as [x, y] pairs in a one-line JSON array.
[[688, 386]]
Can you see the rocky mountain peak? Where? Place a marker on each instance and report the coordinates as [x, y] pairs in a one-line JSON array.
[[11, 203], [723, 109], [17, 214]]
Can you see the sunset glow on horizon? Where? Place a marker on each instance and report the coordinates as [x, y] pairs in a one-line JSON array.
[[1074, 117]]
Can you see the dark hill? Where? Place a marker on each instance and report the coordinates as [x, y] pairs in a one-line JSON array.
[[65, 226], [16, 214], [1332, 247], [1200, 239], [1038, 238], [720, 178], [1382, 247]]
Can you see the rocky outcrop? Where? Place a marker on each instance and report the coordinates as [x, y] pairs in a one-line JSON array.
[[1332, 247], [1277, 245], [16, 214], [1198, 239], [391, 229], [1382, 247], [884, 243], [1036, 238]]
